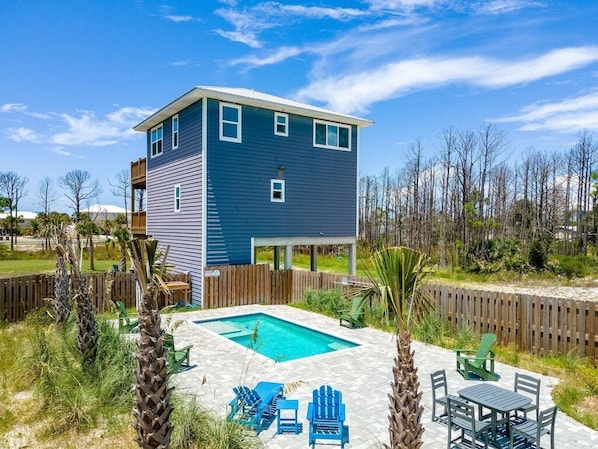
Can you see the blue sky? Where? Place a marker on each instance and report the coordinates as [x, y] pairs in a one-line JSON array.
[[77, 75]]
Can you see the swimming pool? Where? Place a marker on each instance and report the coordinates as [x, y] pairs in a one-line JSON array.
[[280, 340]]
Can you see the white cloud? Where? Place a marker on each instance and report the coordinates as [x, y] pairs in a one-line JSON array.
[[244, 37], [505, 6], [13, 107], [279, 55], [274, 9], [18, 107], [250, 22], [23, 135], [403, 5], [565, 116], [355, 92], [87, 129], [179, 19], [61, 152]]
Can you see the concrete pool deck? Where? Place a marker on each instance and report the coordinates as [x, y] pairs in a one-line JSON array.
[[363, 374]]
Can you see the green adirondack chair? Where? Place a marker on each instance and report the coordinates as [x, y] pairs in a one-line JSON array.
[[482, 363], [125, 323], [176, 357], [355, 316]]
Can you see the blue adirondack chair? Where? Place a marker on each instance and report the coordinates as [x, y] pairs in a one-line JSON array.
[[326, 415], [255, 408]]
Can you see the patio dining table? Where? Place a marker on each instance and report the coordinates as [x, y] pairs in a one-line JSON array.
[[497, 400]]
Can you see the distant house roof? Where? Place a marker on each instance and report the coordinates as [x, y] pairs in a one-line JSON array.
[[104, 209], [250, 97]]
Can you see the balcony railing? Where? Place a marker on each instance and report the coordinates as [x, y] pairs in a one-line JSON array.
[[138, 223], [138, 170]]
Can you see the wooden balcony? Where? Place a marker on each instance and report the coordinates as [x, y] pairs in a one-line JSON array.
[[138, 173], [138, 224]]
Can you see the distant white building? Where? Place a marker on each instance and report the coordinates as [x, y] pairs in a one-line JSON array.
[[102, 212], [25, 217]]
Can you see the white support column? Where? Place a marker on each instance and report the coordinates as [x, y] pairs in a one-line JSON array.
[[288, 257], [352, 259]]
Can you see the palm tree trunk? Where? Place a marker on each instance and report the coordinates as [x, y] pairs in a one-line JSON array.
[[62, 306], [152, 395], [122, 265], [405, 411], [87, 329]]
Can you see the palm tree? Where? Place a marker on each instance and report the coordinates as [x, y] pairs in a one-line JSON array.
[[62, 305], [87, 329], [122, 236], [399, 273], [152, 395]]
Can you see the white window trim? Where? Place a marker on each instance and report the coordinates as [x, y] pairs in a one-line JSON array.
[[177, 197], [178, 134], [272, 190], [333, 147], [155, 128], [239, 123], [286, 124]]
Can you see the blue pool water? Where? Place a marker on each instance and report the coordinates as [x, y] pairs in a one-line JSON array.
[[277, 339]]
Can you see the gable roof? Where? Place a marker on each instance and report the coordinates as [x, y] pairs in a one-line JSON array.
[[246, 97]]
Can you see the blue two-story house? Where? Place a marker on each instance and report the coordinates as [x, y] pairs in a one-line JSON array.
[[229, 170]]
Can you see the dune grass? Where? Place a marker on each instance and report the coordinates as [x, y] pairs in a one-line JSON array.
[[48, 399]]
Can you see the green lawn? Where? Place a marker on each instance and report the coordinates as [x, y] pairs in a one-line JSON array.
[[22, 267]]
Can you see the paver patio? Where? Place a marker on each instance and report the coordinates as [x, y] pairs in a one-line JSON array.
[[363, 374]]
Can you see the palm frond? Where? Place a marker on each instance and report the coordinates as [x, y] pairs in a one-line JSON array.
[[397, 277]]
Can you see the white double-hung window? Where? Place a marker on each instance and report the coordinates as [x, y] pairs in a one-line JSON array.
[[156, 140], [281, 124], [175, 132], [277, 190], [230, 122], [177, 198]]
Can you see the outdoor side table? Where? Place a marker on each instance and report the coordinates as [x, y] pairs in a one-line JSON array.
[[286, 410]]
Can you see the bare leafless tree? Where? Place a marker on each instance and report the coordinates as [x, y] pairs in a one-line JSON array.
[[122, 187], [80, 188], [12, 187], [47, 195]]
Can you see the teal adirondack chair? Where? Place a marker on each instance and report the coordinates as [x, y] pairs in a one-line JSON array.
[[125, 323], [326, 415], [482, 363], [355, 316], [255, 408], [176, 357]]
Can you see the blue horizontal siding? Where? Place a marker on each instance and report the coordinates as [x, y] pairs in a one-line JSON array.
[[320, 190], [189, 138]]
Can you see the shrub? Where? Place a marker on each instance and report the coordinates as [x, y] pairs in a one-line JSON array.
[[71, 395], [194, 427], [325, 301], [465, 337], [571, 266], [431, 330]]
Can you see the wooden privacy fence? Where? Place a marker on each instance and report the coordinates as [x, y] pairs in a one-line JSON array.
[[22, 294], [535, 324]]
